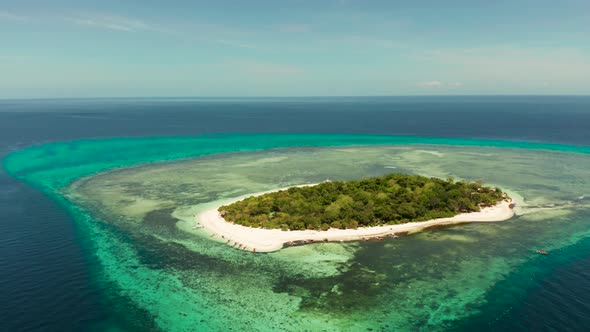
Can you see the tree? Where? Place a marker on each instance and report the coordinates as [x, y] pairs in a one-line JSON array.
[[390, 199]]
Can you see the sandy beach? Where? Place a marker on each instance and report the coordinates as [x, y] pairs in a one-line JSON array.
[[267, 240]]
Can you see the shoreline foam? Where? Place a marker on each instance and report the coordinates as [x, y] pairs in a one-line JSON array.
[[267, 240]]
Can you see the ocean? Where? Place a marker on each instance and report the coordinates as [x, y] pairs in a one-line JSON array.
[[71, 261]]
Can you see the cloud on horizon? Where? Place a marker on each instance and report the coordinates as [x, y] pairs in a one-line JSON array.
[[439, 84], [261, 68], [513, 64]]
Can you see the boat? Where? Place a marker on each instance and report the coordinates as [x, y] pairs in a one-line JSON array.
[[542, 252]]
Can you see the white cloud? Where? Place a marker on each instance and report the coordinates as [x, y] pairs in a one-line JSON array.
[[206, 33], [117, 23], [7, 16], [439, 84], [431, 84], [234, 43], [6, 57], [365, 41], [295, 28], [513, 64], [268, 68], [261, 68]]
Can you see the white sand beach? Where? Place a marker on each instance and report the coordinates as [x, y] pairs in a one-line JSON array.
[[267, 240]]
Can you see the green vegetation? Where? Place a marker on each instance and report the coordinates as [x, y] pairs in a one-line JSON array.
[[390, 199]]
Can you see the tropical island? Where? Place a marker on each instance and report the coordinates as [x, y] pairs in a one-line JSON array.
[[387, 200], [353, 210]]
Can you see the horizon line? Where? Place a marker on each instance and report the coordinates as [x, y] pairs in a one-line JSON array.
[[289, 97]]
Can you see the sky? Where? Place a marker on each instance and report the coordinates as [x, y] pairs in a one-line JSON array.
[[152, 48]]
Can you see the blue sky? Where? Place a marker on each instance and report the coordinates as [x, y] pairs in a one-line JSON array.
[[67, 48]]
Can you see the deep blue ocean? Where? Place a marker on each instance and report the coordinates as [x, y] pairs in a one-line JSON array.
[[44, 280]]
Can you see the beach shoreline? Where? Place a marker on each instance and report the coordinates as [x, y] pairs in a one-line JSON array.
[[268, 240]]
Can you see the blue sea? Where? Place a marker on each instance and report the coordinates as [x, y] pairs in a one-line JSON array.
[[57, 271]]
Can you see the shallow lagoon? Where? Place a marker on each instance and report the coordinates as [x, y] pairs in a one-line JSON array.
[[172, 277]]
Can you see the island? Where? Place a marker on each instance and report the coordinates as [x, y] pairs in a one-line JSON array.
[[353, 210]]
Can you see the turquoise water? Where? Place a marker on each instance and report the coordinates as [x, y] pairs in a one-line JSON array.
[[57, 164], [159, 273]]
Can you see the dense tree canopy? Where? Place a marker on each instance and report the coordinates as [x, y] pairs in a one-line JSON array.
[[389, 199]]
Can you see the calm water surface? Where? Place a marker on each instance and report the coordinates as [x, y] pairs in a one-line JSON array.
[[51, 277]]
